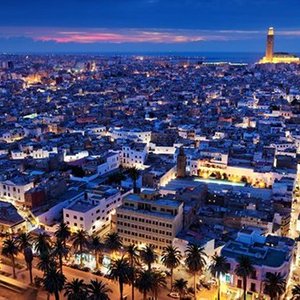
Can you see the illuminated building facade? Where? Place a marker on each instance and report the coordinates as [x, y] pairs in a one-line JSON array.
[[278, 57]]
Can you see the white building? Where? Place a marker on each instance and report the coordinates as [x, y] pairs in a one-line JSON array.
[[133, 135], [68, 157], [134, 155], [268, 254], [14, 189], [35, 153], [94, 212]]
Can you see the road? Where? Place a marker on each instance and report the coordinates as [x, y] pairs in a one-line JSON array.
[[70, 273]]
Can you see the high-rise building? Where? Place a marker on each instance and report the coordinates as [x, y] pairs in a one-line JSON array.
[[270, 44]]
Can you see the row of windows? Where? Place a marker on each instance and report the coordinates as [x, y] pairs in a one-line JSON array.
[[8, 188], [145, 228], [8, 195], [145, 221], [145, 236]]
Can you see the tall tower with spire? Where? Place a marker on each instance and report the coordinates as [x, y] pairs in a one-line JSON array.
[[270, 45]]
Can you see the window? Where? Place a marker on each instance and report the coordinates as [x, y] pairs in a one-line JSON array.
[[239, 283], [253, 287], [67, 215], [81, 218], [75, 217]]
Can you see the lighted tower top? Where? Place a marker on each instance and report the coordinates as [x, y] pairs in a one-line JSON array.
[[271, 31]]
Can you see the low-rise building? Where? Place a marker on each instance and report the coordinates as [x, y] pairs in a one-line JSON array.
[[269, 254]]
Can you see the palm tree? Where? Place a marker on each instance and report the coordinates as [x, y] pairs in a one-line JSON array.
[[10, 249], [144, 282], [275, 285], [46, 262], [63, 233], [76, 290], [97, 247], [80, 242], [180, 286], [113, 242], [98, 290], [244, 269], [159, 281], [60, 251], [42, 244], [53, 281], [29, 258], [148, 256], [219, 267], [133, 256], [195, 261], [24, 240], [134, 175], [119, 270], [296, 292], [171, 257]]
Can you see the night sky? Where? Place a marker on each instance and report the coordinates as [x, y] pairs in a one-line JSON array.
[[147, 25]]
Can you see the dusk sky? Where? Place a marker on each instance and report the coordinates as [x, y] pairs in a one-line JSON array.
[[147, 25]]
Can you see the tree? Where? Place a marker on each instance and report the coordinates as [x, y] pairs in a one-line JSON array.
[[144, 282], [63, 233], [76, 290], [113, 242], [116, 178], [53, 281], [60, 251], [133, 256], [134, 175], [98, 290], [119, 270], [171, 257], [29, 258], [195, 261], [42, 244], [180, 286], [275, 285], [219, 267], [159, 281], [97, 247], [10, 249], [24, 242], [80, 242], [244, 269], [148, 256], [46, 262], [296, 292]]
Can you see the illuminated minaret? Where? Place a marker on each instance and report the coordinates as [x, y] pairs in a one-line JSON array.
[[270, 45]]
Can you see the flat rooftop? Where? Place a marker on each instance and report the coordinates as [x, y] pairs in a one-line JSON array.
[[261, 255], [81, 206]]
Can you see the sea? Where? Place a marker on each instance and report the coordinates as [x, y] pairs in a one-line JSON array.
[[208, 57]]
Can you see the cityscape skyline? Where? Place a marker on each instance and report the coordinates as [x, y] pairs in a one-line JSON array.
[[146, 26]]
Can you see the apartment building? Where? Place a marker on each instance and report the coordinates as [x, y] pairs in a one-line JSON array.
[[14, 189], [148, 219], [134, 155], [93, 213], [269, 254]]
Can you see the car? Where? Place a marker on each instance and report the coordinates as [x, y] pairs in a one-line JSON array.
[[174, 295]]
